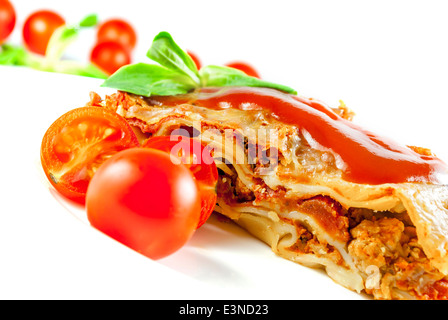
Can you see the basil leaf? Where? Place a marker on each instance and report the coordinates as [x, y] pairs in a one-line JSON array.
[[168, 54], [89, 21], [12, 55], [218, 76], [177, 73], [149, 79]]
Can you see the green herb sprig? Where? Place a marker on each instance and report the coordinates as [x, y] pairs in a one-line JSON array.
[[176, 73]]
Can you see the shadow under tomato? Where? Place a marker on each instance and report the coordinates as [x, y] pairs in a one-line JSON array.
[[200, 265], [214, 254], [72, 207]]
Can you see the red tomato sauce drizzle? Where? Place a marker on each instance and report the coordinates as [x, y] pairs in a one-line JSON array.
[[368, 158]]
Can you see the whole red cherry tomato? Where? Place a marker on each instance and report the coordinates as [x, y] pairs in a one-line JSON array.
[[245, 67], [142, 199], [38, 29], [117, 30], [110, 56], [197, 158], [195, 59], [7, 19]]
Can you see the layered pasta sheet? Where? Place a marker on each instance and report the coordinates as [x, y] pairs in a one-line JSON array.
[[387, 240]]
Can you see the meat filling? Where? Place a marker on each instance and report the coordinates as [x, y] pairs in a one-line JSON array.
[[390, 248]]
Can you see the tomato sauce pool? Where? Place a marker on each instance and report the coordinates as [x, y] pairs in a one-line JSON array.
[[368, 158]]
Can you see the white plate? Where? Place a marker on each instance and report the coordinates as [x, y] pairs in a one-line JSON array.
[[48, 250], [386, 60]]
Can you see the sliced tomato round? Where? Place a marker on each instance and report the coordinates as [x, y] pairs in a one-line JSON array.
[[77, 143], [193, 154]]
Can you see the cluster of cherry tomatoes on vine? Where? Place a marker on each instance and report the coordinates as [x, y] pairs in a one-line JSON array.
[[115, 38]]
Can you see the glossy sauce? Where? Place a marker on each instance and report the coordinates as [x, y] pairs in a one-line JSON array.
[[367, 157]]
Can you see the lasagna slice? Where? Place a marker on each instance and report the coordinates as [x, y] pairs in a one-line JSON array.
[[317, 189]]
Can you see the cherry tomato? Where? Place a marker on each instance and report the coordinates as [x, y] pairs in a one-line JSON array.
[[110, 56], [117, 30], [195, 59], [143, 200], [7, 19], [245, 67], [197, 158], [38, 29], [77, 143]]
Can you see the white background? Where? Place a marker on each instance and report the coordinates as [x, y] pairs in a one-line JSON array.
[[387, 60]]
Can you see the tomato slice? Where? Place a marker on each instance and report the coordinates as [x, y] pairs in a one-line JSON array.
[[197, 158], [77, 143]]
